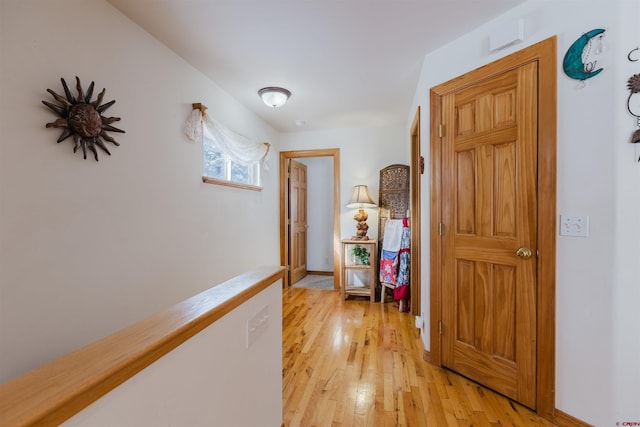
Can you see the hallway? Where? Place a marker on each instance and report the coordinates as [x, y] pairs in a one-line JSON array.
[[353, 363]]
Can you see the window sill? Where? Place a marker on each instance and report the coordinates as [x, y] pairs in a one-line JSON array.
[[208, 180]]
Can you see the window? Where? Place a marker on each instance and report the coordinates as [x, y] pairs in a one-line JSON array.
[[219, 168], [228, 158]]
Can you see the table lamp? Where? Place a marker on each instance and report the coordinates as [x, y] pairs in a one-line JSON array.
[[360, 199]]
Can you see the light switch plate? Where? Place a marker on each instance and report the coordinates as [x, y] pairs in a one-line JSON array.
[[257, 324], [574, 225]]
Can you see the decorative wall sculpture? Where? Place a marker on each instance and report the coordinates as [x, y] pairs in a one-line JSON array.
[[82, 118], [578, 62], [634, 87]]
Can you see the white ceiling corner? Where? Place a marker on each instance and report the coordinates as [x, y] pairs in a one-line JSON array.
[[348, 63]]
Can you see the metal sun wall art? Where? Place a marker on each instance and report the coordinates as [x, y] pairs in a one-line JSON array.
[[83, 119]]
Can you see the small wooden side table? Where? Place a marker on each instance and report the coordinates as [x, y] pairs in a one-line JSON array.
[[358, 278]]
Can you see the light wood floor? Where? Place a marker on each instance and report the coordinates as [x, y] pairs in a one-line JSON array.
[[354, 363]]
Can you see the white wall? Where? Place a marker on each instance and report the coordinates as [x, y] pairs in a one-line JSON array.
[[626, 264], [319, 213], [363, 152], [598, 341], [87, 248], [212, 379]]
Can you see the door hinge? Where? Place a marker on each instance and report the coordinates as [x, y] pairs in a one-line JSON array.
[[440, 327], [440, 228], [440, 130], [288, 222], [288, 268]]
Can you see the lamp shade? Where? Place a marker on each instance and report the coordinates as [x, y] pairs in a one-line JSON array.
[[274, 96], [360, 198]]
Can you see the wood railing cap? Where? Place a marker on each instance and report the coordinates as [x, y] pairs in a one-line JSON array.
[[58, 390]]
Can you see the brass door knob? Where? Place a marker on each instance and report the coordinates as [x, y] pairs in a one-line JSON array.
[[524, 253]]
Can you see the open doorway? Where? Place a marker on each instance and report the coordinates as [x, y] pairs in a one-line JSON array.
[[285, 201]]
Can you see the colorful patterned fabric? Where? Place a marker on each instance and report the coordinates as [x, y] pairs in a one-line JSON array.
[[401, 290], [388, 263], [404, 258], [394, 266]]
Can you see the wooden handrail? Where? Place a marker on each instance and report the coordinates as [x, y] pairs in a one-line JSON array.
[[53, 393]]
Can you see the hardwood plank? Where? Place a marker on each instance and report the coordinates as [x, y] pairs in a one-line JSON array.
[[352, 363]]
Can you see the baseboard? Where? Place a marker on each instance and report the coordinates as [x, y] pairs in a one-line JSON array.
[[563, 419], [426, 356], [320, 273]]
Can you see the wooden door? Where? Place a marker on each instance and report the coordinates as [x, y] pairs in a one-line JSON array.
[[489, 173], [298, 221], [417, 168]]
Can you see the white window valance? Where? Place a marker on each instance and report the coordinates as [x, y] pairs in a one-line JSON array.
[[237, 147]]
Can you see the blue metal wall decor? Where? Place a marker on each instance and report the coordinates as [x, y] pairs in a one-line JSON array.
[[577, 62]]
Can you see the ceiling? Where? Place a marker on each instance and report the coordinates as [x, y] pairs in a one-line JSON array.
[[348, 63]]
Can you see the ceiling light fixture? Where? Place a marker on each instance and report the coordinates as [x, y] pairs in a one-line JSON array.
[[274, 96]]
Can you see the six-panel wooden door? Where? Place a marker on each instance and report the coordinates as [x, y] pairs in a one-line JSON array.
[[298, 221], [489, 175]]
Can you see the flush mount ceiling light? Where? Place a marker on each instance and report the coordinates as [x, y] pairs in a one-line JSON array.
[[274, 96]]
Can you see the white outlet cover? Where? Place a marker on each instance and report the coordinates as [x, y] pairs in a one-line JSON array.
[[574, 225], [257, 324]]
